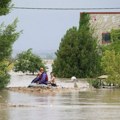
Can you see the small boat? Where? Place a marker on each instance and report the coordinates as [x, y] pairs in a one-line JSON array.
[[37, 85], [41, 85]]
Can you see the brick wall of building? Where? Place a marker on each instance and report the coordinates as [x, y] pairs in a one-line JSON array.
[[103, 22]]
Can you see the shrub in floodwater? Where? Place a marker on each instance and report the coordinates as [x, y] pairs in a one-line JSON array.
[[4, 79], [95, 83]]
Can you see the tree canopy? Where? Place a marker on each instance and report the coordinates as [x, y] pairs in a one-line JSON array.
[[28, 62], [111, 58], [8, 36], [5, 7], [111, 66], [65, 63], [78, 54]]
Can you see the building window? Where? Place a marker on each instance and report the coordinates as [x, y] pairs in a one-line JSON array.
[[106, 38]]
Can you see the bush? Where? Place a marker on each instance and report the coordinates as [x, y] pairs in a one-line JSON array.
[[95, 83], [4, 79]]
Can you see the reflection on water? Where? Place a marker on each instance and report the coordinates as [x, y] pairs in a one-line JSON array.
[[101, 104], [3, 100], [82, 105]]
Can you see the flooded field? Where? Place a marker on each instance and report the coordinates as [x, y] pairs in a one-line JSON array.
[[83, 104]]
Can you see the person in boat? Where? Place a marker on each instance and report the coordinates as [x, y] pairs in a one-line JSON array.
[[52, 79], [42, 77]]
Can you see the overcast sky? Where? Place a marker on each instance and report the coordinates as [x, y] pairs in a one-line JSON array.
[[43, 29]]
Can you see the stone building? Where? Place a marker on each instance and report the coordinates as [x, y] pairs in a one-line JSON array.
[[103, 22]]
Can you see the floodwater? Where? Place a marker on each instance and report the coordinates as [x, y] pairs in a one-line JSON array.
[[82, 105], [85, 104]]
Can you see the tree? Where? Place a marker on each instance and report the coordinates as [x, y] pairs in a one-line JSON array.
[[115, 35], [65, 63], [111, 66], [28, 62], [5, 6], [78, 52], [8, 36], [112, 46], [89, 54], [111, 58]]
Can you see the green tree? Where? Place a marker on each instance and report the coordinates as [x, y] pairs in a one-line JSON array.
[[89, 54], [65, 64], [111, 57], [115, 35], [28, 62], [5, 6], [112, 46], [7, 38], [111, 65], [78, 52]]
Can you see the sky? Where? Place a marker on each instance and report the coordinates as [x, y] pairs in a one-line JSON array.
[[43, 29]]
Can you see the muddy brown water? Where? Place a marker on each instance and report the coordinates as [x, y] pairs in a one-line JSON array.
[[83, 104]]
